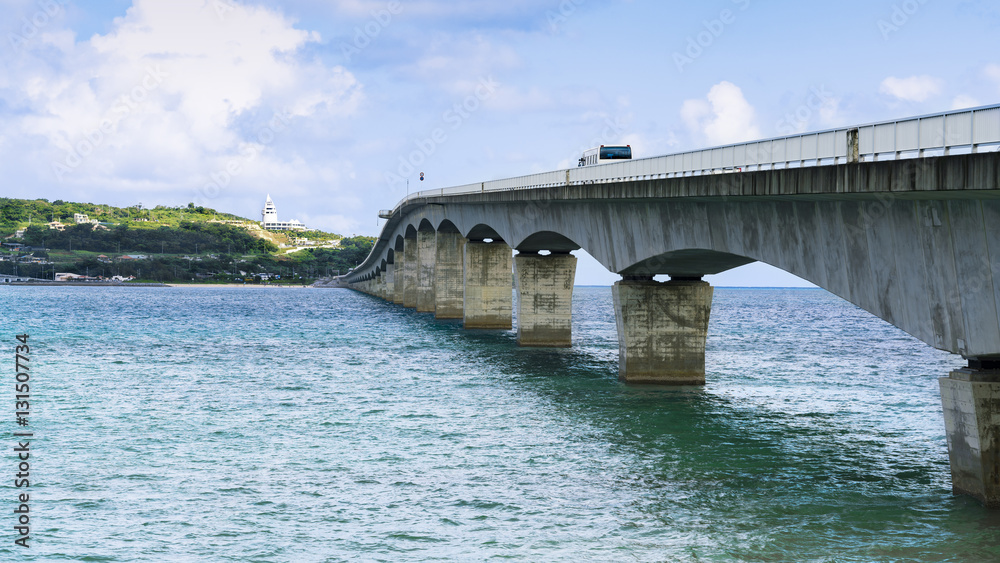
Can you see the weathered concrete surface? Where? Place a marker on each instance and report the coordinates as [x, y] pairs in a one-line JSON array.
[[488, 300], [914, 242], [390, 282], [426, 252], [662, 328], [399, 277], [908, 241], [971, 402], [449, 276], [545, 299], [410, 268]]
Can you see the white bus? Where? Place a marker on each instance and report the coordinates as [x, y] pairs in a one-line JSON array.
[[605, 154]]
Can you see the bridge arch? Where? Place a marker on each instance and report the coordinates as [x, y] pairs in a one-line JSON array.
[[547, 240], [482, 231], [687, 262], [446, 226]]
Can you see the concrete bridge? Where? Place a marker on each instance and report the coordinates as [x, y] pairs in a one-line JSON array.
[[900, 218]]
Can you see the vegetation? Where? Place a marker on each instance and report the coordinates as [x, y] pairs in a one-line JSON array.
[[17, 213], [165, 244], [189, 238]]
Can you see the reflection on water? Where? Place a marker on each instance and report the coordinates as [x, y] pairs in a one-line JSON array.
[[327, 425]]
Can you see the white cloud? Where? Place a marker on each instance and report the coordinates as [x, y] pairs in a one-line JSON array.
[[484, 10], [458, 64], [172, 94], [724, 117], [962, 102], [912, 89]]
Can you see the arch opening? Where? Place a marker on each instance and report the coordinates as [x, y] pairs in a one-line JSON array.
[[687, 263], [547, 241], [447, 226], [483, 232]]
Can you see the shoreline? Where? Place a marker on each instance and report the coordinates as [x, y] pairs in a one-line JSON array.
[[82, 284], [145, 284], [246, 285]]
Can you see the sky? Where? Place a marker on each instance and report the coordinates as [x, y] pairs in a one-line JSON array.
[[332, 106]]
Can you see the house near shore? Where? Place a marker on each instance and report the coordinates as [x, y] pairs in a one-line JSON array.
[[67, 276]]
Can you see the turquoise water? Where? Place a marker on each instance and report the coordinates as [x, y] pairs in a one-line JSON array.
[[239, 424]]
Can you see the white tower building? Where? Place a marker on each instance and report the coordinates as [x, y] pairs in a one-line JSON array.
[[269, 219], [270, 213]]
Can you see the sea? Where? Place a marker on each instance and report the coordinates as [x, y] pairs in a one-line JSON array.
[[274, 424]]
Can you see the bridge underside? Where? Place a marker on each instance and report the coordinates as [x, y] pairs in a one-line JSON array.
[[916, 244]]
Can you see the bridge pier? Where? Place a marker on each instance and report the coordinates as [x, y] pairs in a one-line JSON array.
[[970, 398], [449, 278], [390, 282], [426, 251], [662, 328], [544, 299], [410, 268], [398, 275], [488, 301]]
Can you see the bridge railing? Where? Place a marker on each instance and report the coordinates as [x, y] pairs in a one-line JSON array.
[[972, 129]]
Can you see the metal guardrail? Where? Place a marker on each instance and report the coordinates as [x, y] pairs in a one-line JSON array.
[[971, 128]]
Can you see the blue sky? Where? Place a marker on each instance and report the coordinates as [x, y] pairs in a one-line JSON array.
[[321, 104]]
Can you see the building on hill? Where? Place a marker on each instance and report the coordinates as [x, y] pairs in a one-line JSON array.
[[269, 219]]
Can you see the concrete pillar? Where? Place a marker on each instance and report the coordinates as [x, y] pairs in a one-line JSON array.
[[449, 277], [399, 273], [426, 252], [971, 402], [662, 329], [487, 302], [545, 299], [410, 266], [390, 282]]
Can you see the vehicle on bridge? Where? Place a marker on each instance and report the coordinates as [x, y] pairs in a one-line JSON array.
[[605, 154]]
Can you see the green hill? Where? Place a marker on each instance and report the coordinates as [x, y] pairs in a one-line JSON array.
[[187, 243]]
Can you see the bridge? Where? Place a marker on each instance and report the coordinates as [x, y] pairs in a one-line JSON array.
[[901, 218]]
